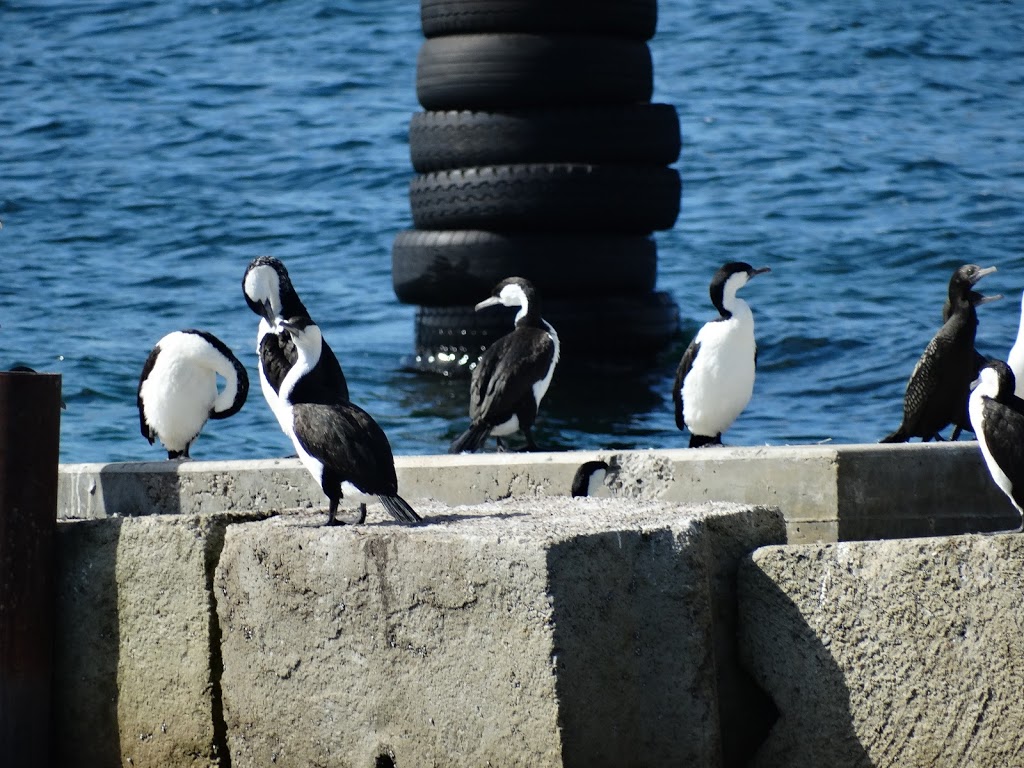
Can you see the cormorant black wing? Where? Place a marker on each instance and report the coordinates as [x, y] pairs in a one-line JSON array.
[[1004, 432], [507, 372], [685, 364], [347, 440], [277, 356], [147, 368], [334, 378]]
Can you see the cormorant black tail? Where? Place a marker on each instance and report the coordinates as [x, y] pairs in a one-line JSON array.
[[400, 509], [470, 440]]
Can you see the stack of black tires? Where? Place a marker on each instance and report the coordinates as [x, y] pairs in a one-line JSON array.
[[539, 154]]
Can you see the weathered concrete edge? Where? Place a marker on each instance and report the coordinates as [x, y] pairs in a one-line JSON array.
[[826, 492], [123, 686], [899, 652], [730, 534]]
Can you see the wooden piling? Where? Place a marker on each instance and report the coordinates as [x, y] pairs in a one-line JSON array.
[[30, 405]]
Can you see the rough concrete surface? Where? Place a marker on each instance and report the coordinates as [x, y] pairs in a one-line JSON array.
[[898, 653], [830, 492], [535, 632], [136, 665], [131, 489], [825, 492]]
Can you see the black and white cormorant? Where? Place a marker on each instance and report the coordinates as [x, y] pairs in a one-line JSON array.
[[1016, 357], [178, 388], [513, 374], [998, 417], [589, 478], [337, 442], [270, 294], [940, 383], [715, 377]]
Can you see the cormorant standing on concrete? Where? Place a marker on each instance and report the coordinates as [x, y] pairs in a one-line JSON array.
[[270, 294], [178, 388], [337, 442], [715, 377], [940, 382], [998, 416], [513, 374]]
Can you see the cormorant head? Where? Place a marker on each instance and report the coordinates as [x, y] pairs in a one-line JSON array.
[[728, 280], [514, 292], [995, 380], [269, 292], [960, 288]]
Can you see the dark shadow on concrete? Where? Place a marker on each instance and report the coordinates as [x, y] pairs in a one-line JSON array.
[[787, 658], [746, 712], [940, 489], [86, 653], [632, 635], [456, 518]]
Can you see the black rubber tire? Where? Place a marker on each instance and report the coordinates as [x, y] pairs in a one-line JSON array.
[[638, 134], [548, 198], [509, 71], [461, 267], [449, 340], [632, 19]]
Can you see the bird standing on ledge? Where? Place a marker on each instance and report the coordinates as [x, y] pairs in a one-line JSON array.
[[941, 381], [715, 378], [339, 443], [270, 294], [513, 373], [178, 388], [998, 418]]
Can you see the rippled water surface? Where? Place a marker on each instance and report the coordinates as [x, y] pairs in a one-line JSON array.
[[148, 150]]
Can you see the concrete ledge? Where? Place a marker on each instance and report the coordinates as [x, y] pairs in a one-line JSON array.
[[136, 656], [898, 653], [827, 493], [131, 489], [534, 632]]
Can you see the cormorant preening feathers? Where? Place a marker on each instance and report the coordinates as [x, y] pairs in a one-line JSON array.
[[177, 390], [270, 294]]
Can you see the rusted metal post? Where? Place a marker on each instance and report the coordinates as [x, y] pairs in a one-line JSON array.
[[29, 452]]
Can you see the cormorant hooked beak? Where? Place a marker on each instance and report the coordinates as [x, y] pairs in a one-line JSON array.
[[761, 271], [981, 273], [490, 301], [268, 312]]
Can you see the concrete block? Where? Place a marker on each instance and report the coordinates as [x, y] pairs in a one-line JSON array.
[[533, 632], [132, 489], [830, 492], [897, 653], [136, 656]]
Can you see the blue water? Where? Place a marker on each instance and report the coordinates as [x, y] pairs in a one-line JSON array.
[[149, 150]]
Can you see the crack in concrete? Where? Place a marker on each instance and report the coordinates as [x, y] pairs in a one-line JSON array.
[[212, 553]]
